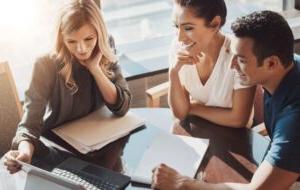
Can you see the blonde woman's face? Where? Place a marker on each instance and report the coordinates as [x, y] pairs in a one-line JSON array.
[[81, 43]]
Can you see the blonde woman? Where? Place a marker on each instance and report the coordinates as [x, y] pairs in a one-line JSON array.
[[80, 77]]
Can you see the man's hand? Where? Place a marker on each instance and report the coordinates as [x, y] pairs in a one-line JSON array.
[[166, 178]]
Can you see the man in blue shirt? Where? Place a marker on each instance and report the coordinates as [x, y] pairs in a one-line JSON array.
[[263, 55]]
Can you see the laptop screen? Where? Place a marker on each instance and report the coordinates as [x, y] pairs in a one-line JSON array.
[[38, 178]]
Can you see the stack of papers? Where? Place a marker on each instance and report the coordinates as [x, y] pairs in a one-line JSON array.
[[97, 129], [182, 153]]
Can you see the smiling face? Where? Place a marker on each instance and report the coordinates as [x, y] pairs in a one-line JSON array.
[[192, 31], [245, 62], [82, 42]]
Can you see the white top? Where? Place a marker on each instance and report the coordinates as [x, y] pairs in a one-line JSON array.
[[217, 91]]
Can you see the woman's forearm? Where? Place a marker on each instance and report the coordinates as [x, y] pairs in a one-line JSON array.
[[237, 116], [106, 87], [220, 116], [178, 100]]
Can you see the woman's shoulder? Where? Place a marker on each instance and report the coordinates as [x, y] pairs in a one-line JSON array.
[[46, 66], [112, 44], [226, 53], [48, 62], [111, 40], [227, 42]]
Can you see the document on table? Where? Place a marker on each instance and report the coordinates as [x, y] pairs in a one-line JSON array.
[[97, 129], [182, 153]]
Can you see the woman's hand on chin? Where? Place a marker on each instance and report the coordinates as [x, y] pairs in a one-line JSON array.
[[93, 63]]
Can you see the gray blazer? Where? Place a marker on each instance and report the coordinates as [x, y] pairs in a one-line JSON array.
[[48, 103]]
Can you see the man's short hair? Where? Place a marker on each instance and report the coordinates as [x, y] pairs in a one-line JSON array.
[[271, 34]]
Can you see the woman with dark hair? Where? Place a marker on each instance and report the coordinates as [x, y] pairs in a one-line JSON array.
[[202, 83]]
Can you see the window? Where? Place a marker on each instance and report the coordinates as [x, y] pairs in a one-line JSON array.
[[142, 30]]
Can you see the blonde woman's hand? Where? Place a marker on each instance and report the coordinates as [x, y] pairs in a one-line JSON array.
[[10, 160], [93, 63]]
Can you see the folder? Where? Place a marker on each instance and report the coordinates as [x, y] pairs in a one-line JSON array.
[[182, 153], [97, 129]]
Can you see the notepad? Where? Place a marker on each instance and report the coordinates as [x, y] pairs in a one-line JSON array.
[[182, 153], [97, 129]]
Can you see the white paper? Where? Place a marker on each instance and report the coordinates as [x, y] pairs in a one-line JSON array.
[[182, 153]]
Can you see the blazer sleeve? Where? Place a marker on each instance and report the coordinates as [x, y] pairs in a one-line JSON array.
[[36, 99], [122, 105]]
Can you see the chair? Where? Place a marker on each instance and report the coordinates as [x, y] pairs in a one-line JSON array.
[[10, 108], [155, 93]]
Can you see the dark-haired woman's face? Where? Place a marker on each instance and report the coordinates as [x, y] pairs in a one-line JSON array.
[[191, 30]]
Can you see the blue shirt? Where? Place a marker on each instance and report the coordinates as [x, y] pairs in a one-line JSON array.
[[282, 120]]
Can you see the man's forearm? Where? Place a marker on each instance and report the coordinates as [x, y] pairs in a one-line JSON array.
[[177, 100]]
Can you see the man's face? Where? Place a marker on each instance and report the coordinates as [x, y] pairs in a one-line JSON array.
[[245, 62]]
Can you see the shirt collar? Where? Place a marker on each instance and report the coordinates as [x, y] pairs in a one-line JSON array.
[[286, 84]]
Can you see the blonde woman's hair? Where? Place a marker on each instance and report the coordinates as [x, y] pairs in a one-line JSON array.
[[76, 14]]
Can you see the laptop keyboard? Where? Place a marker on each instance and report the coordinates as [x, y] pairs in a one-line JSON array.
[[87, 181]]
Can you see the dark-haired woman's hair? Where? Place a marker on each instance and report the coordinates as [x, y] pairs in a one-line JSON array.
[[206, 9]]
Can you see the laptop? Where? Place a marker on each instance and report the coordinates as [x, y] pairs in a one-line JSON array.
[[74, 174], [38, 178]]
